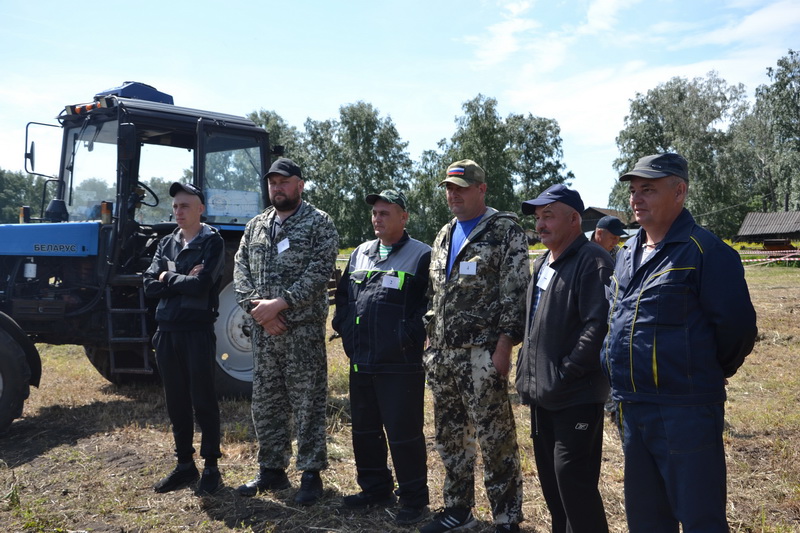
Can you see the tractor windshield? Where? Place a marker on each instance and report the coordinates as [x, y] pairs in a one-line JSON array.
[[90, 173]]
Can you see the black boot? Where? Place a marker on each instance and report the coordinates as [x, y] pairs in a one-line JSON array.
[[267, 479], [310, 488]]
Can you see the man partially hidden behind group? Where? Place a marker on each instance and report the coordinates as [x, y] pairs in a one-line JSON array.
[[681, 324], [479, 273], [380, 302], [285, 259], [607, 234], [185, 276]]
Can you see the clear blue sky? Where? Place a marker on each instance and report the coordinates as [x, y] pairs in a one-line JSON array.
[[579, 62]]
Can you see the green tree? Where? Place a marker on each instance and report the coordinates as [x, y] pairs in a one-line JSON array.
[[536, 154], [428, 210], [280, 133], [326, 186], [482, 135], [778, 108], [18, 189], [521, 155], [687, 116], [536, 158], [347, 159]]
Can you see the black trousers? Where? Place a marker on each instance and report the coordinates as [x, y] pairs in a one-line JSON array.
[[568, 446], [394, 403], [186, 362]]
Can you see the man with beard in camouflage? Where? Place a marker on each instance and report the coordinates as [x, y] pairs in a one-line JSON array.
[[479, 274], [281, 274]]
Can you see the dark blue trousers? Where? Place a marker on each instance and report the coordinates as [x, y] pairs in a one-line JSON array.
[[186, 363], [674, 468], [394, 403]]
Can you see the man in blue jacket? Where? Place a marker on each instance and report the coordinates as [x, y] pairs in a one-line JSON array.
[[380, 302], [185, 275], [680, 323]]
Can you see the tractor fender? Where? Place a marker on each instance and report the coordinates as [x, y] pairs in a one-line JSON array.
[[10, 326]]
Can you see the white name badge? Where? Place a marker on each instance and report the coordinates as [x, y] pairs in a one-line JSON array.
[[391, 282], [171, 266], [283, 246], [467, 268], [545, 275]]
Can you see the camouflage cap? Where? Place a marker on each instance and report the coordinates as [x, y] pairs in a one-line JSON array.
[[464, 173], [389, 195]]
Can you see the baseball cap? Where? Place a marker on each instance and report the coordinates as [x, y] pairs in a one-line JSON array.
[[177, 187], [389, 195], [464, 173], [285, 167], [659, 166], [612, 224], [555, 193]]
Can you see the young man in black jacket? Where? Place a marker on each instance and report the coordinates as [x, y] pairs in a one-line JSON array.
[[559, 373], [380, 302], [185, 275]]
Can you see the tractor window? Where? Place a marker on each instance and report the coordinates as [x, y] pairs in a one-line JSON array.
[[233, 174], [91, 169], [159, 167]]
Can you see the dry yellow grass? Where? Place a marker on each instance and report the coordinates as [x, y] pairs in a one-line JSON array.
[[85, 453]]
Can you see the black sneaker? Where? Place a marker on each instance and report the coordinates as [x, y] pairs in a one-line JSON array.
[[267, 479], [506, 528], [310, 488], [210, 481], [362, 500], [408, 515], [180, 477], [451, 519]]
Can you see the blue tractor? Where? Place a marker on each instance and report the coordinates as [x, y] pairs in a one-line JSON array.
[[71, 269]]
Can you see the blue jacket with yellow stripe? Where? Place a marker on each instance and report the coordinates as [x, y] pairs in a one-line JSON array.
[[680, 323], [380, 305]]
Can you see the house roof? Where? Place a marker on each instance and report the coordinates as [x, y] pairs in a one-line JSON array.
[[596, 213], [782, 223]]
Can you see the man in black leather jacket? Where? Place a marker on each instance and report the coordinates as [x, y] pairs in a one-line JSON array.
[[559, 373]]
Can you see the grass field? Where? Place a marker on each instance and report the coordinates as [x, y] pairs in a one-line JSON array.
[[86, 453]]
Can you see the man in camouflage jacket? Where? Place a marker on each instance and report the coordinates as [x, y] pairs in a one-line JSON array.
[[479, 273], [283, 265]]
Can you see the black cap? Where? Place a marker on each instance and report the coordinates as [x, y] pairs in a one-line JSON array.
[[285, 167], [612, 224], [389, 195], [555, 193], [177, 187], [659, 166]]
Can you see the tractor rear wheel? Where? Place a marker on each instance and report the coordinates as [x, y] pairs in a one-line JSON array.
[[234, 375], [14, 380]]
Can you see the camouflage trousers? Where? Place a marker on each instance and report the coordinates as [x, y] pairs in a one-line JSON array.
[[290, 390], [470, 401]]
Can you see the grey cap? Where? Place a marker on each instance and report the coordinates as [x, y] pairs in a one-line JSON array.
[[659, 166]]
